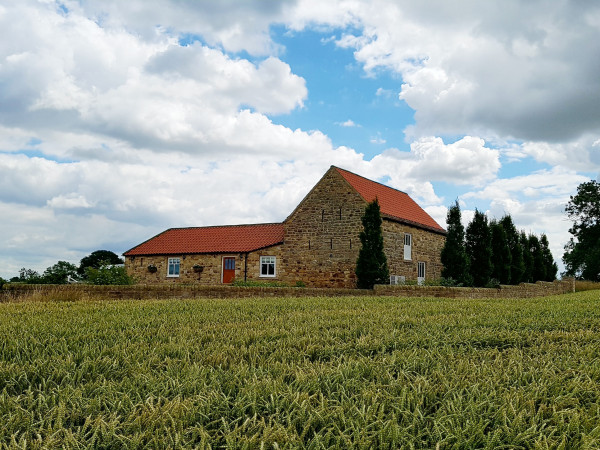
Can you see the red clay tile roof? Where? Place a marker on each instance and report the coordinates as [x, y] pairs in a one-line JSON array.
[[393, 203], [219, 239]]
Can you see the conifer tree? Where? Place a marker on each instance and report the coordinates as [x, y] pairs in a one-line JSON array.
[[454, 256], [539, 268], [371, 265], [548, 260], [501, 256], [517, 265], [478, 247], [527, 258]]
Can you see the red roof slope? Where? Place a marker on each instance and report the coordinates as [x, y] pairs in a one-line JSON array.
[[218, 239], [393, 203]]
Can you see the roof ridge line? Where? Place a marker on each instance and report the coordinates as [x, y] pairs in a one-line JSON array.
[[225, 226], [369, 180]]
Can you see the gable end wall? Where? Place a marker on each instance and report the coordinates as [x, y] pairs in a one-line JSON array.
[[322, 239]]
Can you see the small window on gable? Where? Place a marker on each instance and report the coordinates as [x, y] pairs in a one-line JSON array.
[[174, 264], [267, 266], [407, 246]]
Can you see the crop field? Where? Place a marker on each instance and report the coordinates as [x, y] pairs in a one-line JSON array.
[[369, 372]]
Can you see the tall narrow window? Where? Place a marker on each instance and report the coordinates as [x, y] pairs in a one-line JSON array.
[[267, 266], [407, 246], [420, 272], [174, 264]]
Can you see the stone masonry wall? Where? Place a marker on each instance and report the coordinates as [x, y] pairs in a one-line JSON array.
[[11, 291], [322, 239], [321, 235], [320, 246], [426, 247], [523, 290], [212, 264]]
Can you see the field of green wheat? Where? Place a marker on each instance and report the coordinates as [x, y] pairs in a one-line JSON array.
[[311, 372]]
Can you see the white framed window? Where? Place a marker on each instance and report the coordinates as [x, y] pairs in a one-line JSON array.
[[267, 266], [407, 246], [420, 272], [173, 265]]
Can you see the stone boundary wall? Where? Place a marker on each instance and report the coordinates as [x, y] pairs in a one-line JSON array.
[[150, 291], [524, 290]]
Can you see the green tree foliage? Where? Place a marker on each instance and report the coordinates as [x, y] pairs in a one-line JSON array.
[[527, 258], [59, 273], [29, 276], [108, 274], [371, 265], [454, 257], [517, 264], [501, 255], [582, 252], [539, 268], [478, 247], [97, 259], [550, 267]]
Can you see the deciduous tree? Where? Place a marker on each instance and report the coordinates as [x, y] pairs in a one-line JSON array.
[[582, 252], [59, 273], [108, 274], [97, 259]]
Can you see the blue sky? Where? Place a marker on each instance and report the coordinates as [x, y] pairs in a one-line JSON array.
[[351, 107], [121, 119]]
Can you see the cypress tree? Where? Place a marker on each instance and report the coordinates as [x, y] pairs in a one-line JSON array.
[[454, 256], [478, 247], [527, 258], [548, 260], [539, 268], [371, 265], [501, 256], [517, 265]]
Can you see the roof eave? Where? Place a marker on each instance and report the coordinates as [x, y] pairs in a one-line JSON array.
[[415, 224], [254, 249]]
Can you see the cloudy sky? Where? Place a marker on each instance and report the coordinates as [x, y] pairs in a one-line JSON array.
[[121, 119]]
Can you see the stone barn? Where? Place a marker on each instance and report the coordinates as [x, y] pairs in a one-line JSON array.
[[317, 244]]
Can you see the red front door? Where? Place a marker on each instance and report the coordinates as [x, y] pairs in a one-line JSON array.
[[228, 269]]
